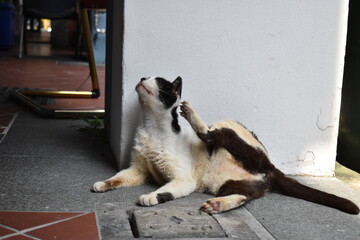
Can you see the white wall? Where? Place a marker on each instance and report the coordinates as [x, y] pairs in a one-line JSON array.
[[274, 65]]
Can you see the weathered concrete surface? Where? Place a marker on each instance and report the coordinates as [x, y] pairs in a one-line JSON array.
[[271, 217], [167, 221], [240, 223], [295, 219], [113, 221], [174, 222], [50, 166]]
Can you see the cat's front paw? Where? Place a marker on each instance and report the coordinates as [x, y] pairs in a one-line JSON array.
[[148, 200], [186, 110], [100, 187]]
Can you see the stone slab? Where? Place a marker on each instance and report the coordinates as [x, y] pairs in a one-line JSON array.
[[174, 222], [114, 221], [240, 223], [183, 221]]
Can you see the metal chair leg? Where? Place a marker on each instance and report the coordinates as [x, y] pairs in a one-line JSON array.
[[56, 113], [22, 96], [22, 29]]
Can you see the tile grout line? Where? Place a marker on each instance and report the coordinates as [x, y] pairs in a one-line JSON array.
[[42, 156], [39, 211], [52, 223], [7, 128], [11, 123], [9, 228], [23, 232], [97, 220], [16, 232], [260, 230], [32, 237], [29, 236]]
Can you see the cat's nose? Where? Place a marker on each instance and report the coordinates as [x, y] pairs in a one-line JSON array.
[[142, 79]]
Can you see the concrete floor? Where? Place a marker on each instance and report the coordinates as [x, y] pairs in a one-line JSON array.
[[49, 165], [347, 175]]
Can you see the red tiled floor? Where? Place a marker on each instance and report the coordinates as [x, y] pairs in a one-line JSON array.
[[19, 237], [49, 225], [56, 70], [25, 220], [5, 118], [42, 73], [6, 121], [50, 74], [13, 108], [80, 228], [5, 231]]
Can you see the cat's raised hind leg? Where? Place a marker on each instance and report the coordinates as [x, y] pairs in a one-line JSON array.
[[222, 204], [125, 178], [233, 194]]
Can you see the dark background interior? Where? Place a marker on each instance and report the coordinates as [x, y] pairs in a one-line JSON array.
[[348, 152]]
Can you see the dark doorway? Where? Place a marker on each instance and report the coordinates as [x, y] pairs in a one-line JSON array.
[[348, 151]]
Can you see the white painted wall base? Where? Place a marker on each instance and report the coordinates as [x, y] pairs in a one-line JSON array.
[[274, 65]]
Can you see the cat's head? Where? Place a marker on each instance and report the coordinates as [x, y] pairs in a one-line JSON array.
[[159, 93]]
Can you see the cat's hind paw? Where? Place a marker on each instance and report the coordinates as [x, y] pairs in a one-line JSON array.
[[221, 204], [211, 206]]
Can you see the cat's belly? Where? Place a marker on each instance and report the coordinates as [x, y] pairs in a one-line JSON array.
[[224, 167]]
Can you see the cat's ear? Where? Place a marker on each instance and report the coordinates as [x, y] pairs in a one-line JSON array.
[[177, 86]]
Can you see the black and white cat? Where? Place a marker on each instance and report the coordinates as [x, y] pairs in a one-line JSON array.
[[225, 159]]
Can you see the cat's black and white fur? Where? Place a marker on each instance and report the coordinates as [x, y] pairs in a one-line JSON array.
[[224, 159]]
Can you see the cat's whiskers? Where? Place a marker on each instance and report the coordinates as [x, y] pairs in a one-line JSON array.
[[130, 95]]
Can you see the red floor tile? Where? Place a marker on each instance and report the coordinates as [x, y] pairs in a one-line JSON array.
[[5, 118], [79, 228], [18, 237], [49, 74], [13, 108], [24, 220], [5, 231], [43, 73]]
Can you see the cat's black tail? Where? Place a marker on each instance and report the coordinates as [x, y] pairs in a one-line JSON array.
[[290, 187]]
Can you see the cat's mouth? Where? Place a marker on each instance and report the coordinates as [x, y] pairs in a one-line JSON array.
[[140, 85]]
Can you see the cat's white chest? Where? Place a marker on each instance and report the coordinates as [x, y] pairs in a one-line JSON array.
[[155, 155], [165, 157]]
